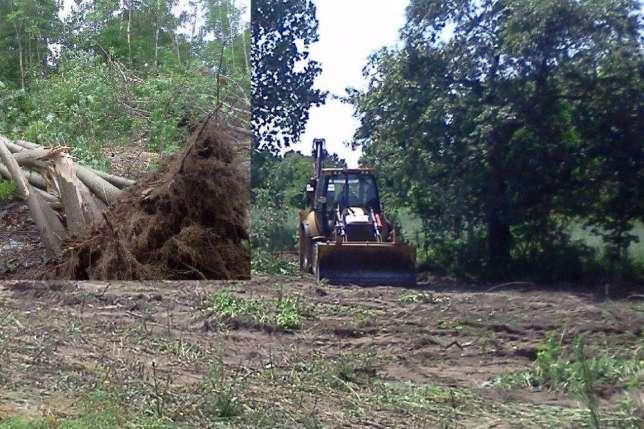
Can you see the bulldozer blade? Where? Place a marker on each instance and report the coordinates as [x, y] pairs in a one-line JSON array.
[[366, 263]]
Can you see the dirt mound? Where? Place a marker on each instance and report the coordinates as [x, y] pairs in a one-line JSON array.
[[186, 222]]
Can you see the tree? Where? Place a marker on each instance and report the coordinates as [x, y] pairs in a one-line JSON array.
[[27, 27], [282, 74], [485, 105]]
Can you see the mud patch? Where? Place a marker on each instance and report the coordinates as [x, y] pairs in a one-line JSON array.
[[187, 222], [20, 247]]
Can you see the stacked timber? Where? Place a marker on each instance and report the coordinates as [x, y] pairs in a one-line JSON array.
[[64, 198]]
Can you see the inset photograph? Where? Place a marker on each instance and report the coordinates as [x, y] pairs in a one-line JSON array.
[[124, 140]]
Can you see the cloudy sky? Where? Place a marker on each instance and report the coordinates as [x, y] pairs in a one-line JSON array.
[[350, 30]]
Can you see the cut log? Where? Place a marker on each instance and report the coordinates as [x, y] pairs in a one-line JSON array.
[[52, 200], [30, 156], [51, 228], [92, 206], [103, 189], [65, 176], [32, 177], [27, 145], [119, 182], [15, 148]]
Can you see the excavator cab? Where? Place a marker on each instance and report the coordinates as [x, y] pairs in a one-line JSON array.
[[344, 236], [352, 196]]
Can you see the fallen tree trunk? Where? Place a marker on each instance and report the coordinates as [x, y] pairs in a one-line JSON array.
[[30, 154], [64, 198], [107, 192], [51, 228], [53, 201], [33, 156], [32, 177], [77, 221], [119, 182]]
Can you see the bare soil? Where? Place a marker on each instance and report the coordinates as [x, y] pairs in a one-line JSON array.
[[21, 249], [363, 357]]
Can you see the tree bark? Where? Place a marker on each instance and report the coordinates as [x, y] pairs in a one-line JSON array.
[[51, 228], [497, 217], [31, 156], [21, 145], [33, 178], [68, 187], [103, 189], [129, 33], [176, 46], [119, 182], [156, 36], [20, 57]]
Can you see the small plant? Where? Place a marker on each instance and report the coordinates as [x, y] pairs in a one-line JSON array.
[[221, 401], [227, 404], [263, 262], [353, 368], [285, 313], [184, 350], [227, 305], [362, 318], [8, 191], [585, 388], [288, 316]]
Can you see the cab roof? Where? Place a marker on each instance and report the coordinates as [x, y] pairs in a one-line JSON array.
[[362, 170]]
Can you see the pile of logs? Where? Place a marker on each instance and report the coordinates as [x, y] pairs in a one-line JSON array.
[[64, 198]]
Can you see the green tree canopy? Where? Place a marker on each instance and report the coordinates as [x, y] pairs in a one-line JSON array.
[[510, 114], [282, 74]]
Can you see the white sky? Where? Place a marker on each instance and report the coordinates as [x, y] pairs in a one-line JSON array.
[[350, 30]]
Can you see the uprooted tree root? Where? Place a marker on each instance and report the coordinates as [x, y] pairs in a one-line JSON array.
[[186, 222]]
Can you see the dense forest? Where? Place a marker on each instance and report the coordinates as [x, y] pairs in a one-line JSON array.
[[507, 134], [96, 75]]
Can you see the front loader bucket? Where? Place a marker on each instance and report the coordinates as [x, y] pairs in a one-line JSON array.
[[365, 263]]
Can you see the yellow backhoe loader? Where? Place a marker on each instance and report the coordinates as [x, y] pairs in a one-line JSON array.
[[344, 238]]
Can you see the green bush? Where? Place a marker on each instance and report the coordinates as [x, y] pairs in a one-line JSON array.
[[264, 263], [86, 105]]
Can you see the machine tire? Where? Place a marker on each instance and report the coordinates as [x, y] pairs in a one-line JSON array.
[[306, 246]]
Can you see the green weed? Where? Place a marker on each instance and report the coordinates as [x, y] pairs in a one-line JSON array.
[[285, 314], [221, 401], [575, 372], [362, 318], [288, 316], [264, 263], [8, 191], [99, 410]]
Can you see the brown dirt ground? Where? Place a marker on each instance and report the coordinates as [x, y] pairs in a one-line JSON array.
[[21, 248], [427, 363]]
